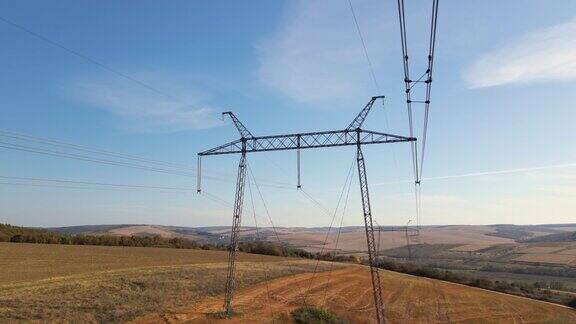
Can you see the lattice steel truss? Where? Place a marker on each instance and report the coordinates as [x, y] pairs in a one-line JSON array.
[[352, 135], [304, 141]]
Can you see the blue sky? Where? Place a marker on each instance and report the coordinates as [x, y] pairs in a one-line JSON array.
[[504, 83]]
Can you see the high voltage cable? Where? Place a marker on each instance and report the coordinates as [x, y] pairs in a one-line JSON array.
[[364, 46], [81, 157], [54, 142], [216, 199], [78, 187], [338, 238], [84, 57], [102, 186], [346, 182], [95, 183], [264, 268], [373, 74], [251, 174], [58, 143], [431, 49], [87, 158], [417, 162], [403, 40], [315, 202]]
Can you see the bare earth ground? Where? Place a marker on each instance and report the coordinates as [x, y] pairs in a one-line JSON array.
[[88, 284], [348, 292]]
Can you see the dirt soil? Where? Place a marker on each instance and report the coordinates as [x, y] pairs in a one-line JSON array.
[[348, 292]]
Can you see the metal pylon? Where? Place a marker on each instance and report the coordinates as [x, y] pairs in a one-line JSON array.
[[369, 227], [352, 135], [234, 236]]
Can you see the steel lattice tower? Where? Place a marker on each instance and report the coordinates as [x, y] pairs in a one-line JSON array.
[[352, 135]]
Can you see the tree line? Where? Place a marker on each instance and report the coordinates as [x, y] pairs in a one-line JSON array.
[[15, 234]]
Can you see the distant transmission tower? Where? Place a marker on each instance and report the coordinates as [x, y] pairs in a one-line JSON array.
[[351, 135]]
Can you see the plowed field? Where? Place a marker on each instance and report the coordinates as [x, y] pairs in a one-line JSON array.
[[348, 292]]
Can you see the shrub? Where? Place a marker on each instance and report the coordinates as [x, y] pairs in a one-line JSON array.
[[482, 283], [572, 303], [312, 315], [17, 239]]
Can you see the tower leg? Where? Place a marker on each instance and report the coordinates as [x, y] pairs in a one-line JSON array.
[[369, 227], [237, 217]]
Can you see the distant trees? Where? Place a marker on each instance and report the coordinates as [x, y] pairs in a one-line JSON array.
[[7, 232], [267, 248], [15, 234], [556, 237]]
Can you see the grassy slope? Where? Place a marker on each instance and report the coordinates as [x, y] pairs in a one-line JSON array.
[[110, 284]]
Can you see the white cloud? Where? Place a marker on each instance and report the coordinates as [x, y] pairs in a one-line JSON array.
[[316, 57], [544, 55], [143, 109]]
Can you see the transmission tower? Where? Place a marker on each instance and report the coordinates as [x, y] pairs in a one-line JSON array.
[[351, 135]]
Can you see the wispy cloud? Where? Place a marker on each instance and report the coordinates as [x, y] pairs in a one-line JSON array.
[[544, 55], [316, 56], [145, 110]]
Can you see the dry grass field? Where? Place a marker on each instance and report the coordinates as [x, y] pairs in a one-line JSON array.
[[76, 284], [564, 259], [348, 292], [142, 230], [559, 253], [355, 240]]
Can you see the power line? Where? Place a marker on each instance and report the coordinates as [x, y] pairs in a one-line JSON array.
[[88, 158], [217, 199], [84, 57], [48, 185], [54, 142], [106, 184], [274, 229], [81, 157], [264, 268], [102, 186], [338, 238], [364, 46], [348, 179], [431, 50], [409, 84], [373, 74]]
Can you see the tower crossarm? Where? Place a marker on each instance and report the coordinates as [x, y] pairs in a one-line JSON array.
[[361, 117], [306, 140], [244, 132]]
